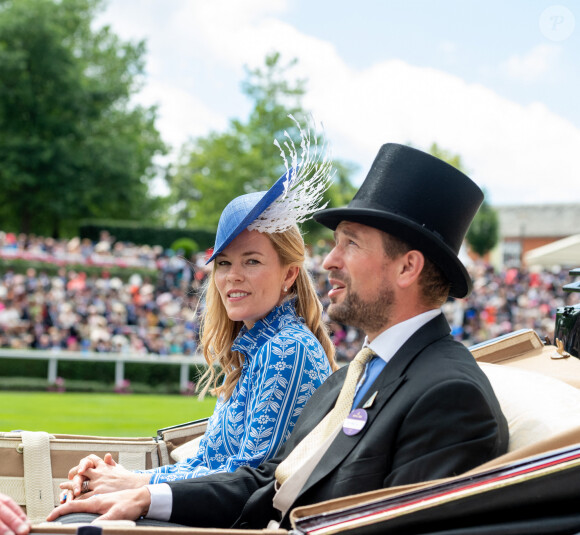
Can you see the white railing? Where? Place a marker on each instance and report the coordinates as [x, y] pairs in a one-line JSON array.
[[54, 356]]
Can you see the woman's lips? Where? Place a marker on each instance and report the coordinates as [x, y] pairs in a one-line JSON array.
[[237, 294]]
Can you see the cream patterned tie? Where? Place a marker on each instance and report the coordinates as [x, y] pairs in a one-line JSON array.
[[335, 417]]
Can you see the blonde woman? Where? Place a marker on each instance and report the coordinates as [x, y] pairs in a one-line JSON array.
[[262, 326]]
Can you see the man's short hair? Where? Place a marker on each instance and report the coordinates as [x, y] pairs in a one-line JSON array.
[[434, 285]]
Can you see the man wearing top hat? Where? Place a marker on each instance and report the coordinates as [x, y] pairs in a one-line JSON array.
[[421, 408]]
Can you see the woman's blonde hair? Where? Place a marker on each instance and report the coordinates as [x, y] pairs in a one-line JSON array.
[[218, 332]]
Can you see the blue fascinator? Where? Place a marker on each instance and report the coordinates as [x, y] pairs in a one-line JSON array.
[[293, 198]]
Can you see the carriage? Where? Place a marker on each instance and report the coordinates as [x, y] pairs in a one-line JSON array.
[[533, 488]]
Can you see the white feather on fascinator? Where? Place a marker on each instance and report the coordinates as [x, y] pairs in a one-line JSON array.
[[292, 199], [309, 173]]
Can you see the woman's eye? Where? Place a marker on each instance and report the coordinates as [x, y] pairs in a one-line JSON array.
[[223, 263], [253, 261]]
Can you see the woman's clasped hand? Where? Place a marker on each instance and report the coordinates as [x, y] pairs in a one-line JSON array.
[[94, 475]]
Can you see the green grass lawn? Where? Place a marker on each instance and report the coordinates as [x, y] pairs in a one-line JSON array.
[[132, 415]]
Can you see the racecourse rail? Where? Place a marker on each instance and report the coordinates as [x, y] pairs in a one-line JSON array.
[[53, 357]]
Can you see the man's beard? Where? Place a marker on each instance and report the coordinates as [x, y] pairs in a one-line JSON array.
[[370, 316]]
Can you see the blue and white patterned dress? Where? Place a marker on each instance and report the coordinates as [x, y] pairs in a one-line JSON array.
[[284, 365]]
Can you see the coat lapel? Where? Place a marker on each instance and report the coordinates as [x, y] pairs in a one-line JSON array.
[[316, 409], [386, 384]]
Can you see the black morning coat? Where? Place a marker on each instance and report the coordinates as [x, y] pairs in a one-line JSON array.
[[434, 415]]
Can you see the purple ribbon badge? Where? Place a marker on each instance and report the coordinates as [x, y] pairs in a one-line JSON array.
[[354, 422]]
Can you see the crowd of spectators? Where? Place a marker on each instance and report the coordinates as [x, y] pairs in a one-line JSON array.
[[71, 310], [508, 300]]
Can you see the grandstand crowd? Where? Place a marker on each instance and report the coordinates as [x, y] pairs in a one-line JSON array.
[[160, 314]]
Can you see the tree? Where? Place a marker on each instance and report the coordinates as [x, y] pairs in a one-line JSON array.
[[483, 233], [70, 144], [446, 156], [216, 168], [339, 194]]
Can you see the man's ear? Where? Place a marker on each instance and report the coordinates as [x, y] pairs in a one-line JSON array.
[[410, 266]]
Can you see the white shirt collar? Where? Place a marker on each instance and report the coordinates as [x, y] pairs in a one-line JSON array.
[[386, 344]]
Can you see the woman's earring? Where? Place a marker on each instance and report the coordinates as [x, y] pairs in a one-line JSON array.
[[285, 289]]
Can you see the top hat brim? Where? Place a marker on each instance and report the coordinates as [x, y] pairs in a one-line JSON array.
[[416, 235], [249, 206]]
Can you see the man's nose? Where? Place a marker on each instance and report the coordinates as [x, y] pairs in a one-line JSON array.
[[332, 260]]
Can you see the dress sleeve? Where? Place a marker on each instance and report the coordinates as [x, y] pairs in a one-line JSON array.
[[285, 373], [190, 468]]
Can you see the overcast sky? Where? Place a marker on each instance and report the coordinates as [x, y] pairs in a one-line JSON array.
[[496, 81]]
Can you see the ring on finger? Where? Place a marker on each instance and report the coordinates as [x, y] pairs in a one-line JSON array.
[[85, 487]]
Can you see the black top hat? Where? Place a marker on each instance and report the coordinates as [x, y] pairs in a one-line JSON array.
[[419, 199]]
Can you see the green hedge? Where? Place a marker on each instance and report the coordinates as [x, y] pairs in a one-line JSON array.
[[136, 232], [186, 245], [153, 375], [36, 384]]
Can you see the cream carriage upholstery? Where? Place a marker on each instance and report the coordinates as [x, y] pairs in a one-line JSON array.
[[536, 385]]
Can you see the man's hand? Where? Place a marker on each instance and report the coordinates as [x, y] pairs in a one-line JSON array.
[[124, 505]]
